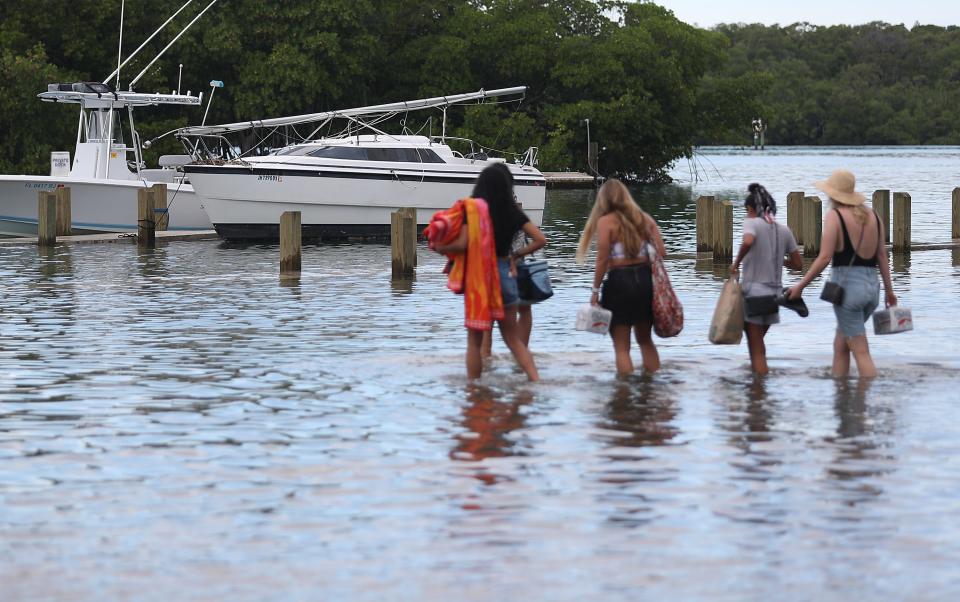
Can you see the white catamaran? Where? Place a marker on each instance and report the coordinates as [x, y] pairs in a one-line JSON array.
[[349, 183]]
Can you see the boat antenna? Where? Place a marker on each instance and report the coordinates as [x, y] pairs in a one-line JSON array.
[[167, 47], [214, 84], [120, 45], [180, 78], [147, 41]]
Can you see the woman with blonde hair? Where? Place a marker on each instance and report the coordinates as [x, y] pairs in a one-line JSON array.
[[855, 268], [625, 234]]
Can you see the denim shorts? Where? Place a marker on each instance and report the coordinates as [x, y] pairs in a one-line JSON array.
[[508, 283], [861, 295]]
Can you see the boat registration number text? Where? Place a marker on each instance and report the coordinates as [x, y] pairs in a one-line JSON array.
[[263, 178]]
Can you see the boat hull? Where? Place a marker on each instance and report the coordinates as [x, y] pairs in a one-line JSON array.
[[246, 203], [96, 205]]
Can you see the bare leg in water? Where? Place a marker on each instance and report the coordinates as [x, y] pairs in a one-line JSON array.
[[525, 323], [841, 355], [620, 333], [474, 354], [648, 350], [861, 353], [758, 350], [510, 331]]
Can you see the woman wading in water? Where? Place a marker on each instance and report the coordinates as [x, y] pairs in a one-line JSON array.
[[624, 234], [765, 243], [855, 267], [476, 234]]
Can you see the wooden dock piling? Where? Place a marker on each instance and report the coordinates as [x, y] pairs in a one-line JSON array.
[[160, 210], [705, 223], [881, 204], [795, 215], [812, 225], [722, 230], [64, 212], [955, 231], [146, 224], [411, 212], [46, 218], [403, 243], [290, 244], [901, 222]]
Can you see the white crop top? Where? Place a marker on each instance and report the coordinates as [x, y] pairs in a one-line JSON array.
[[618, 252]]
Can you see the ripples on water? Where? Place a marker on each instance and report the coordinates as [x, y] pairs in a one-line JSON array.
[[182, 424]]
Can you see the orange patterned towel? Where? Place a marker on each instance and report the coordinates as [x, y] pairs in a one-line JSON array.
[[477, 279]]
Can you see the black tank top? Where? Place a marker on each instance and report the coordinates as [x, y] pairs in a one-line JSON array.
[[842, 258]]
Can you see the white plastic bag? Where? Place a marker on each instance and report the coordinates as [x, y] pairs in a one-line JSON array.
[[593, 318], [892, 320]]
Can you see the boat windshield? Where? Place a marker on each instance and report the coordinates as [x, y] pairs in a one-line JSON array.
[[97, 126]]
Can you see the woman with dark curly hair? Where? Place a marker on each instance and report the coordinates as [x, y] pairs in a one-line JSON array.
[[765, 244]]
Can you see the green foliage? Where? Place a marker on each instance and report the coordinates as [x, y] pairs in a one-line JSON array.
[[29, 130], [636, 72], [870, 84]]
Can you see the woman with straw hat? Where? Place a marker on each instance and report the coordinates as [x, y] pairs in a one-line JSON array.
[[854, 267]]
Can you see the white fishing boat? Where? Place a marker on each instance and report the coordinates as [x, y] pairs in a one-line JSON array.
[[347, 184], [107, 168], [105, 171]]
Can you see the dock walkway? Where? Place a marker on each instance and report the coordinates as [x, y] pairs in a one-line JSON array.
[[129, 236], [568, 179]]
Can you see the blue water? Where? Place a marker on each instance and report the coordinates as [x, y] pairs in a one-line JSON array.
[[182, 424]]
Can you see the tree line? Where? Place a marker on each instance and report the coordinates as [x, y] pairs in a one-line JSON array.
[[651, 86], [848, 85]]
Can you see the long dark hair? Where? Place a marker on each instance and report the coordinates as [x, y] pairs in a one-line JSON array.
[[495, 186], [760, 201]]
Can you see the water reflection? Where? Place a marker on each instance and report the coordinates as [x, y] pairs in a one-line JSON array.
[[641, 413], [54, 261], [861, 428], [901, 263], [291, 282], [748, 412], [862, 454], [489, 418], [402, 286], [718, 270], [152, 262]]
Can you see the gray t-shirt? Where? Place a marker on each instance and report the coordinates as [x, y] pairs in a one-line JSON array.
[[762, 270]]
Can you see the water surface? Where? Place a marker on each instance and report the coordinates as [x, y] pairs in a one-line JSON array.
[[181, 424]]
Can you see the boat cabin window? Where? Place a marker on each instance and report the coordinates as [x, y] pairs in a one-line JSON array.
[[393, 155], [340, 152], [404, 155]]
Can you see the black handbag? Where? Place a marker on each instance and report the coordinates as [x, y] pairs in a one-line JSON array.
[[533, 281], [832, 291], [760, 305]]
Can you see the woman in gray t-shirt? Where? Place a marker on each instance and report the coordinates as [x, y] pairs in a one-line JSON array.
[[765, 243]]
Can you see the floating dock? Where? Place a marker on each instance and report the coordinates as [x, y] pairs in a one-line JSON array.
[[130, 236], [568, 179]]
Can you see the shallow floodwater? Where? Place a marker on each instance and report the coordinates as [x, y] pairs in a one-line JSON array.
[[180, 424]]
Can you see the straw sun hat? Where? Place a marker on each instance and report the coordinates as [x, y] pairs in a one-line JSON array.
[[840, 187]]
